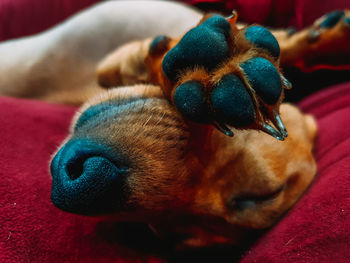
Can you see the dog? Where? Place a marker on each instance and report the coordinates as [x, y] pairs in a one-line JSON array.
[[165, 147]]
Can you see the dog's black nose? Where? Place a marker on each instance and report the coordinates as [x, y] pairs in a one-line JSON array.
[[88, 178]]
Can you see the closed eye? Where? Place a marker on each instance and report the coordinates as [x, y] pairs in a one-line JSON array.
[[260, 197], [245, 201]]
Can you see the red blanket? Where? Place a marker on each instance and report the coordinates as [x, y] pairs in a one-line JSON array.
[[25, 17]]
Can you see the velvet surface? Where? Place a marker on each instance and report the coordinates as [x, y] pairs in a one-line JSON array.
[[26, 17], [280, 13]]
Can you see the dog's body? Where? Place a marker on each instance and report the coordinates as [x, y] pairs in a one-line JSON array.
[[131, 154]]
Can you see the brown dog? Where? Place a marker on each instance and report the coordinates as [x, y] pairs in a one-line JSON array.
[[186, 177], [133, 156]]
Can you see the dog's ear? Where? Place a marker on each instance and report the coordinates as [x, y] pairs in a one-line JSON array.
[[124, 66]]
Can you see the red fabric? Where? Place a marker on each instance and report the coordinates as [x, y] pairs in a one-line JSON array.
[[33, 230], [278, 13], [26, 17]]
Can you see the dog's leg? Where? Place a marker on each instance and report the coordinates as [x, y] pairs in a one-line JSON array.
[[59, 65], [324, 45]]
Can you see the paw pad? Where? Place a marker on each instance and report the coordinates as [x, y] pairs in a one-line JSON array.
[[264, 78], [204, 45], [347, 20], [221, 78], [262, 38], [332, 19], [158, 45], [190, 101], [232, 103]]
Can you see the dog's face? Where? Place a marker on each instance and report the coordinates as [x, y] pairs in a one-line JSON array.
[[131, 155]]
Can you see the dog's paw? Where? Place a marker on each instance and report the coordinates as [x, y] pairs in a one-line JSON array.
[[325, 44], [224, 76]]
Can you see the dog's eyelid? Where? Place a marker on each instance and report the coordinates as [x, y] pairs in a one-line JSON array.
[[258, 197]]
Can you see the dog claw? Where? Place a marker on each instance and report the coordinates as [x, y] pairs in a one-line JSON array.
[[286, 83], [223, 128], [232, 18], [280, 126], [272, 131]]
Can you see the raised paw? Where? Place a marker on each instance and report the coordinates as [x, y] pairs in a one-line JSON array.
[[324, 45], [220, 75]]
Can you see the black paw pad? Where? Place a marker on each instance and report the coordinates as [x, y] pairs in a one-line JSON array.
[[332, 19], [264, 79], [190, 101], [347, 20], [232, 103], [204, 45], [159, 45], [263, 38]]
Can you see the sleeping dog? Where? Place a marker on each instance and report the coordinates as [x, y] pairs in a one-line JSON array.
[[193, 138]]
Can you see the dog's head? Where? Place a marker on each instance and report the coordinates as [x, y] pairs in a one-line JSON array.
[[131, 155]]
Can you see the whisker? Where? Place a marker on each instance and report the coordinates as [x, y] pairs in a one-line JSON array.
[[160, 119], [147, 120]]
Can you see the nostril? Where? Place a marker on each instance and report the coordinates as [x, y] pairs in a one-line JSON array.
[[83, 164], [88, 178], [75, 170]]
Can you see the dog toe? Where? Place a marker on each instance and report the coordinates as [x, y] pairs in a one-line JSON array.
[[189, 99], [159, 45], [203, 46], [263, 38], [264, 79], [347, 21], [332, 18], [232, 103]]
